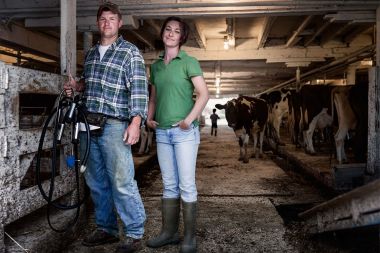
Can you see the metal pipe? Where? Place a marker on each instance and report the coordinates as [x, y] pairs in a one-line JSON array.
[[322, 68]]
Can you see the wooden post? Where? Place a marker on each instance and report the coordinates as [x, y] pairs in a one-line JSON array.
[[298, 79], [351, 74], [87, 41], [68, 37], [373, 157]]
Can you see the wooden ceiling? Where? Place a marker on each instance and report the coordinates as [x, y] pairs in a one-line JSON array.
[[267, 39]]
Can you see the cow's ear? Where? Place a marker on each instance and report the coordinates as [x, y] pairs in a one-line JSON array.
[[220, 107]]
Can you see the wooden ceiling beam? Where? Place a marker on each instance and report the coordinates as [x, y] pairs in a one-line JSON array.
[[199, 36], [294, 38], [87, 23], [325, 39], [156, 27], [147, 40], [348, 38], [318, 32], [265, 30]]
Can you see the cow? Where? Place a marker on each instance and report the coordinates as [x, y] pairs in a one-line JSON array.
[[358, 98], [316, 112], [352, 112], [278, 107], [247, 116], [294, 117], [346, 118]]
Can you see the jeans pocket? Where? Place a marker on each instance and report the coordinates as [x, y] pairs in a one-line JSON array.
[[191, 127]]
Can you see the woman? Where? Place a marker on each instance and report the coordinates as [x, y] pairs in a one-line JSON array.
[[173, 113]]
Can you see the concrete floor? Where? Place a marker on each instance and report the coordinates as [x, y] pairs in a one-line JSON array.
[[237, 202]]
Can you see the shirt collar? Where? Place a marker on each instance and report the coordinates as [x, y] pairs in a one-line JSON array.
[[180, 55], [114, 44]]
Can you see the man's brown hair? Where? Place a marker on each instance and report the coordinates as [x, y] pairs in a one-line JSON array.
[[108, 6]]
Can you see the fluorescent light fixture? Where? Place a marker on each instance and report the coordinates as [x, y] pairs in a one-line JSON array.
[[366, 63], [226, 43], [217, 82]]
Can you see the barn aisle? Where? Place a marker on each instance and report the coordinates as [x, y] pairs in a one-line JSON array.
[[239, 204]]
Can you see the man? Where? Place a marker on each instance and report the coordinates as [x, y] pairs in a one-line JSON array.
[[214, 122], [114, 86]]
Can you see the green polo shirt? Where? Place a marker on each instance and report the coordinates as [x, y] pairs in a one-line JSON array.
[[174, 89]]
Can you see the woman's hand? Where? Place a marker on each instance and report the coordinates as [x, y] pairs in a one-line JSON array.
[[184, 125], [152, 124]]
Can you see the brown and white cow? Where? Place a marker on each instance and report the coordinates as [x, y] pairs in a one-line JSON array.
[[247, 116]]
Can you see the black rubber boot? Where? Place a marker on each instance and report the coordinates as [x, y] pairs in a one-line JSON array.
[[189, 244], [170, 220]]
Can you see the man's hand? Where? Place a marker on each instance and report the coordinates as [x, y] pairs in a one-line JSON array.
[[70, 86], [132, 133]]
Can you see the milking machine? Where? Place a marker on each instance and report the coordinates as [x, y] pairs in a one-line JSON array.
[[68, 115]]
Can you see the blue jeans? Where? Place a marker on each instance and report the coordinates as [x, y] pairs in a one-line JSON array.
[[110, 177], [177, 155]]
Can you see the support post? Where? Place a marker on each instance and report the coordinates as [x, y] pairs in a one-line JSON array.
[[68, 37], [298, 79], [351, 74], [373, 156], [88, 38]]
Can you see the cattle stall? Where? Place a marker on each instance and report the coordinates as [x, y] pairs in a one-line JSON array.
[[355, 184], [27, 97]]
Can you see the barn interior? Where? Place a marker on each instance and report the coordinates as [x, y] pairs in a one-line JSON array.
[[245, 47]]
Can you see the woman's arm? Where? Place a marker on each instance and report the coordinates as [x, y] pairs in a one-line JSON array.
[[202, 98], [152, 108]]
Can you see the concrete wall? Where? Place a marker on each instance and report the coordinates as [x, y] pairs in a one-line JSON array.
[[18, 147]]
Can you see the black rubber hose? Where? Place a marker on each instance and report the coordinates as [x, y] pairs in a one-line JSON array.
[[83, 161]]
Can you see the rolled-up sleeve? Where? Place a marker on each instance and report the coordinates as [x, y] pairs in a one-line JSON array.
[[139, 87]]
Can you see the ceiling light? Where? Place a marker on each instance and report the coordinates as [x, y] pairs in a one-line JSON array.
[[366, 63], [217, 82], [226, 43]]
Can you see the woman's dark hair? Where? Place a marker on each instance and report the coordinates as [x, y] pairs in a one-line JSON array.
[[184, 29]]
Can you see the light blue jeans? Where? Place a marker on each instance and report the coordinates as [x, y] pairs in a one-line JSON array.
[[177, 155], [110, 177]]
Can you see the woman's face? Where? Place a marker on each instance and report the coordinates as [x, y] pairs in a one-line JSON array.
[[172, 34]]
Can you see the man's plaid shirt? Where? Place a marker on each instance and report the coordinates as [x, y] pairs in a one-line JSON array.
[[117, 85]]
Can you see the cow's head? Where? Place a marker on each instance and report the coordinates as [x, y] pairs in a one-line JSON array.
[[231, 112]]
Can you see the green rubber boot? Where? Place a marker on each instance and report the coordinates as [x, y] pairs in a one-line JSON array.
[[189, 244], [169, 229]]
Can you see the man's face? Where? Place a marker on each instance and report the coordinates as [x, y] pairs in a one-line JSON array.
[[109, 24]]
